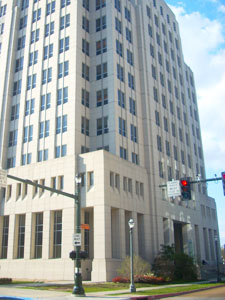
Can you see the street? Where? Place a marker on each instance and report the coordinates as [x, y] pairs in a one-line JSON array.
[[217, 294]]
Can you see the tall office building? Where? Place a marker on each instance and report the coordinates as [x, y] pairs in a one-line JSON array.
[[98, 88]]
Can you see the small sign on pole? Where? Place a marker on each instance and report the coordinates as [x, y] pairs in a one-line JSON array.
[[77, 239], [173, 188], [85, 226], [3, 178]]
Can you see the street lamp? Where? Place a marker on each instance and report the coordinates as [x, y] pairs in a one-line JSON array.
[[78, 288], [132, 286], [217, 258]]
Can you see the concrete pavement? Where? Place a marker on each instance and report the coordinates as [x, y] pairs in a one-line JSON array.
[[25, 291], [212, 294]]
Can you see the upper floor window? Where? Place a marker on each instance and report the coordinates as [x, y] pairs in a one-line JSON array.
[[85, 47], [23, 22], [63, 69], [132, 106], [117, 5], [131, 82], [102, 125], [19, 64], [48, 51], [31, 81], [130, 58], [62, 96], [17, 87], [85, 24], [64, 44], [86, 4], [49, 28], [36, 15], [101, 71], [24, 4], [100, 3], [45, 101], [85, 71], [121, 99], [85, 126], [118, 25], [102, 97], [50, 8], [15, 112], [44, 129], [35, 36], [100, 23], [122, 127], [21, 42], [46, 75], [64, 3], [128, 35], [101, 46], [64, 21], [127, 14], [119, 48]]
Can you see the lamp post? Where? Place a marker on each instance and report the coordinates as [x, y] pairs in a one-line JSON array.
[[132, 286], [217, 258], [78, 288]]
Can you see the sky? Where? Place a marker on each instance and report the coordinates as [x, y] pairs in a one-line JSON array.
[[202, 29]]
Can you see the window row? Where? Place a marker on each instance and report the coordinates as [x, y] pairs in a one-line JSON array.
[[55, 235], [42, 155], [127, 184]]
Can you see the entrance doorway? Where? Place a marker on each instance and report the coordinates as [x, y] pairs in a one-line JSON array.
[[178, 237]]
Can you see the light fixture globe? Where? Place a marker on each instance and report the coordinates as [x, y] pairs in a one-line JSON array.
[[78, 178], [131, 223]]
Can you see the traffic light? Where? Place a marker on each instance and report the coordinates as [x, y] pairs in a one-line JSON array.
[[223, 181], [185, 187]]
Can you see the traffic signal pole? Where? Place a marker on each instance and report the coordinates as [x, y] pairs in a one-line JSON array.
[[198, 181]]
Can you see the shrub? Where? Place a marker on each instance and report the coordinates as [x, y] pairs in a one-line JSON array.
[[174, 266], [120, 279], [141, 267], [149, 279], [5, 280]]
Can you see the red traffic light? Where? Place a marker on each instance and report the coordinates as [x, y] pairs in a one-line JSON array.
[[223, 175], [184, 182]]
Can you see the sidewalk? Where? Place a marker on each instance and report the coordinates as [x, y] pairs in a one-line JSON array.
[[25, 291]]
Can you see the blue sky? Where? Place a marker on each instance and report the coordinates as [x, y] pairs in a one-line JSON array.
[[202, 29]]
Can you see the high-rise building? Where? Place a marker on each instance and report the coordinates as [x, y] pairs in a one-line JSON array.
[[98, 88]]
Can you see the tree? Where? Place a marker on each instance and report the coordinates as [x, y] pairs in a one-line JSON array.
[[174, 266], [141, 267]]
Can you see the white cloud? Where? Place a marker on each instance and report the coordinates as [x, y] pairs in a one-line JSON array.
[[204, 51], [222, 8]]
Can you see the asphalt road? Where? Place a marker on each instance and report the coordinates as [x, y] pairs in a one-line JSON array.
[[213, 294]]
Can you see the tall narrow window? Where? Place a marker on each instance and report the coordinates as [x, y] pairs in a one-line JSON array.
[[57, 240], [38, 235], [21, 237], [5, 235]]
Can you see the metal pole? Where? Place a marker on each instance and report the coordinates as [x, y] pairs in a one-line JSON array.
[[78, 288], [217, 260], [132, 286]]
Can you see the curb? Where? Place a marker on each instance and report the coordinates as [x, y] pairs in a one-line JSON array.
[[171, 294], [14, 298]]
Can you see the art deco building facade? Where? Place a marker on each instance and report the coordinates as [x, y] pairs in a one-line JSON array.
[[98, 88]]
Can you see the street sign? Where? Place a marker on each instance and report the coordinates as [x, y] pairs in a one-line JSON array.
[[85, 226], [77, 239], [3, 178], [173, 188]]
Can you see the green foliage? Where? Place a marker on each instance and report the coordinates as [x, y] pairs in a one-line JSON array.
[[174, 266], [141, 267], [5, 280]]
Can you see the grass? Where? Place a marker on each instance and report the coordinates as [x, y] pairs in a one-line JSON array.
[[89, 288], [170, 290], [109, 286]]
